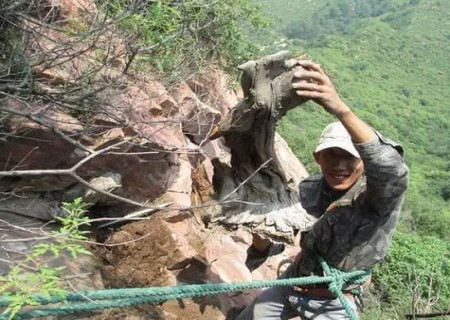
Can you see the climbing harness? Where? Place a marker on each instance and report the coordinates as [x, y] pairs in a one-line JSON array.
[[86, 301]]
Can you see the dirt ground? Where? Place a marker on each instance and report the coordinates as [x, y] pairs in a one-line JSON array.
[[145, 255]]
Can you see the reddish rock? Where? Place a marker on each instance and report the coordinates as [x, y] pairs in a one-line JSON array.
[[227, 259], [131, 104], [189, 309], [34, 146], [169, 107], [295, 171], [189, 237], [162, 133], [150, 164], [144, 176], [78, 10], [160, 97], [216, 149], [135, 108], [212, 88], [114, 134], [197, 117], [74, 53], [179, 192], [50, 50], [167, 250], [202, 182], [227, 254], [41, 206], [52, 76]]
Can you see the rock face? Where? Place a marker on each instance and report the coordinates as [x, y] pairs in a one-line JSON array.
[[136, 138]]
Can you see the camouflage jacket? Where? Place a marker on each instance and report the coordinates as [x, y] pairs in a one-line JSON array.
[[354, 228]]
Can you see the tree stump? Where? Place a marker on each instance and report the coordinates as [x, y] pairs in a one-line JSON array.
[[255, 191]]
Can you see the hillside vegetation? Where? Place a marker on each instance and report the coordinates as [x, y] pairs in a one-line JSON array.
[[390, 63]]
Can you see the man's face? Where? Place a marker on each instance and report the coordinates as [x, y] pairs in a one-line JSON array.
[[339, 168]]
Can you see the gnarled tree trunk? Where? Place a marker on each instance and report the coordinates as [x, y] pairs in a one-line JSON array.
[[256, 191]]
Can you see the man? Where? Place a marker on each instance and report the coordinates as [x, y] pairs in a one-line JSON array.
[[357, 201]]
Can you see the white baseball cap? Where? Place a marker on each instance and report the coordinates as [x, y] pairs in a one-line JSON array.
[[336, 136]]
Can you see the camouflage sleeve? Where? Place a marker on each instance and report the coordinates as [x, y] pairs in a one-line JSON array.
[[387, 174]]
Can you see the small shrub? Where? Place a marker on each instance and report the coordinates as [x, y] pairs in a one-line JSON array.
[[21, 284], [406, 92]]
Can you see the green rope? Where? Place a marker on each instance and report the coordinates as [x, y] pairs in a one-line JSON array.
[[338, 283], [114, 298]]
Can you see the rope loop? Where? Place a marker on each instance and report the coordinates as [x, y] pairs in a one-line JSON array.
[[340, 280]]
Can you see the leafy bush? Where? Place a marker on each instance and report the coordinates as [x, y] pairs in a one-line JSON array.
[[21, 284], [416, 266], [180, 35]]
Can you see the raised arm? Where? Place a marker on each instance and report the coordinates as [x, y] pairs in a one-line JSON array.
[[315, 84], [387, 175]]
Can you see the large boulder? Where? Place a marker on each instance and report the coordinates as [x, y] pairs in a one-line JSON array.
[[37, 139], [198, 118]]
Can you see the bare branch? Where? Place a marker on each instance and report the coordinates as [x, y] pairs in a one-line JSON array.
[[47, 125], [428, 315], [47, 236], [132, 215], [72, 172], [247, 179]]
